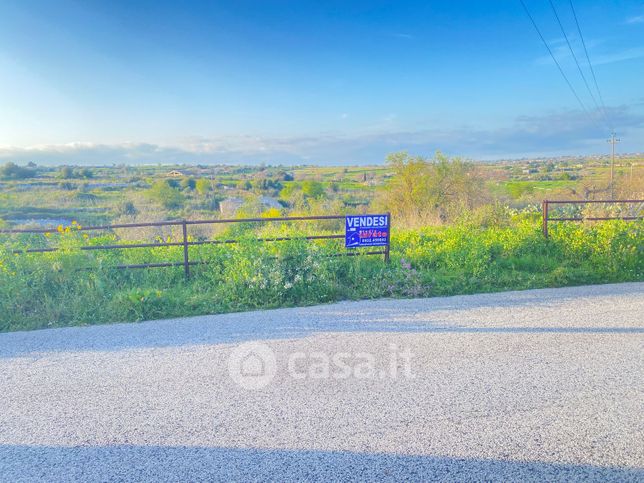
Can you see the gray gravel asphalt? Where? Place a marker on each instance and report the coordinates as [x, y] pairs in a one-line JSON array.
[[535, 385]]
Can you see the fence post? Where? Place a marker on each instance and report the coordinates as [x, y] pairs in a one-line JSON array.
[[388, 237], [544, 223], [186, 264]]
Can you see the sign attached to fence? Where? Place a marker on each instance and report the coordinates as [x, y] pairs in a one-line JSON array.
[[366, 231]]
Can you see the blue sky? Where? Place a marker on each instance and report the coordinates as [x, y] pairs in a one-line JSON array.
[[321, 82]]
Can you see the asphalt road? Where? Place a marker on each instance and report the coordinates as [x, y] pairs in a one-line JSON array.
[[534, 385]]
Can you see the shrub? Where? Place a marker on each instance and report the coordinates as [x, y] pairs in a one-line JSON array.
[[164, 194], [312, 189], [203, 186], [127, 208]]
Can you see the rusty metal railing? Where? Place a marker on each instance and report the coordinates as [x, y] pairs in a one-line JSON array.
[[545, 211], [186, 243]]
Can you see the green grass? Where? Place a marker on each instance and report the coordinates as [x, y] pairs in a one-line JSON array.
[[516, 189], [73, 287]]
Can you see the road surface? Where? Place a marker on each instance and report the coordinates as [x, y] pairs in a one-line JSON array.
[[534, 385]]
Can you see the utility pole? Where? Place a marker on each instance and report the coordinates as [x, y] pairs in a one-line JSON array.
[[613, 140]]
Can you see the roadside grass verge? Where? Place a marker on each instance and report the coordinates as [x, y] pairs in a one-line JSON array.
[[73, 287]]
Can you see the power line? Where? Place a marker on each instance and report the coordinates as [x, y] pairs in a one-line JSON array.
[[563, 74], [572, 51], [592, 71]]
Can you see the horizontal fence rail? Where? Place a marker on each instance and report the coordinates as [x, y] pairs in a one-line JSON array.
[[546, 218], [186, 243]]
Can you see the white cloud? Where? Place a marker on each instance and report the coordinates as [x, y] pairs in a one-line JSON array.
[[628, 54], [562, 54], [636, 19], [556, 132]]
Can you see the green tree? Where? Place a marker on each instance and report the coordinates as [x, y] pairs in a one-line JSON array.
[[203, 186], [13, 171], [289, 189], [408, 193], [169, 197], [423, 191], [66, 172], [312, 189], [244, 185], [456, 185], [86, 173], [188, 183]]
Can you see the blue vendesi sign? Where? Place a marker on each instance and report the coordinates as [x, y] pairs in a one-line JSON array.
[[366, 231]]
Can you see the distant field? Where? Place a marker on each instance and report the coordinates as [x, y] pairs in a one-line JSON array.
[[516, 189], [105, 194]]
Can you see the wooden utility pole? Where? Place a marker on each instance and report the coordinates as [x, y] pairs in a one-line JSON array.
[[613, 140]]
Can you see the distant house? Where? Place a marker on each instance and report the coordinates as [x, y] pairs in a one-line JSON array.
[[268, 202], [174, 174], [229, 206]]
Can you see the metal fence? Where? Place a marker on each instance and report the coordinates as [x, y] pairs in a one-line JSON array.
[[546, 204], [186, 243]]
